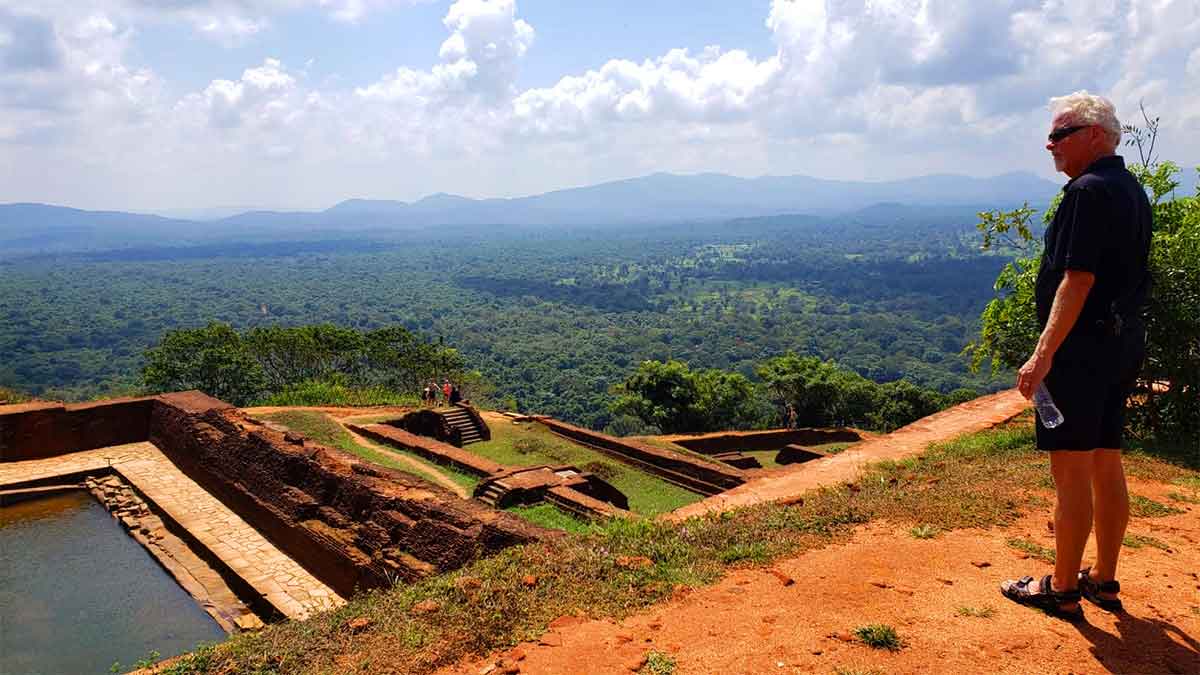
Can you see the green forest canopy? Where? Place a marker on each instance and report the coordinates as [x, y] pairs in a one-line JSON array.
[[554, 320]]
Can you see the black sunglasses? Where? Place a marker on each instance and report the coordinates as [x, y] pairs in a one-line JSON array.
[[1062, 132]]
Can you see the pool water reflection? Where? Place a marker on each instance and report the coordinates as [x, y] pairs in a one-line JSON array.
[[77, 593]]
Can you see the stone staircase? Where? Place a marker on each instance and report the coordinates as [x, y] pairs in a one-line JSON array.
[[468, 429], [492, 494]]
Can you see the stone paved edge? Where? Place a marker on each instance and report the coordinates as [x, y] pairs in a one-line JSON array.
[[789, 485], [243, 552]]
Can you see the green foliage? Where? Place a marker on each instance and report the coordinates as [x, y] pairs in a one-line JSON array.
[[1144, 507], [924, 532], [335, 391], [1032, 548], [812, 392], [213, 359], [8, 396], [675, 399], [879, 636], [1172, 409], [1009, 327], [1141, 540], [984, 612], [538, 315], [550, 516], [658, 663], [320, 364]]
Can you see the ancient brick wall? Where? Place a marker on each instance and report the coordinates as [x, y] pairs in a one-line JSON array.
[[353, 525], [39, 430], [711, 444], [689, 472], [430, 448]]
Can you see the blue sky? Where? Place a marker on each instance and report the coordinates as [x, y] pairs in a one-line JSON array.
[[173, 104]]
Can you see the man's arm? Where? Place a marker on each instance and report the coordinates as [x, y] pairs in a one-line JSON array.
[[1068, 303]]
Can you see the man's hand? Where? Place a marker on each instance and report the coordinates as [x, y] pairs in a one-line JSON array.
[[1031, 374]]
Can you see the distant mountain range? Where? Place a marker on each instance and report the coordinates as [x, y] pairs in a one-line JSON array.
[[657, 198]]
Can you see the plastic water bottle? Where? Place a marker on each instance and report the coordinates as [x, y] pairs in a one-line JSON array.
[[1051, 417]]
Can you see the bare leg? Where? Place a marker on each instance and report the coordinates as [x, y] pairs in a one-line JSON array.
[[1072, 514], [1110, 499]]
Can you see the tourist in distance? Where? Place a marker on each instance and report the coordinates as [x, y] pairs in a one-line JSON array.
[[447, 388], [1091, 286]]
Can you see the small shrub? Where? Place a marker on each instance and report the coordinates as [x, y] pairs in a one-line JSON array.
[[601, 469], [1186, 499], [1144, 507], [879, 636], [924, 532], [985, 612], [658, 663], [527, 446]]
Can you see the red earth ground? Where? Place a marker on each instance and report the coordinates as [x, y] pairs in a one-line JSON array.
[[753, 621]]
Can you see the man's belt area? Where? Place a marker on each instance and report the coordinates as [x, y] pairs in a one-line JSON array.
[[1111, 326]]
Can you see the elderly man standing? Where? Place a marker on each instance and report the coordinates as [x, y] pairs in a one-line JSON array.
[[1091, 286]]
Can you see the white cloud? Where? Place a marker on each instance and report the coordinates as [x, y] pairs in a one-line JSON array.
[[851, 89]]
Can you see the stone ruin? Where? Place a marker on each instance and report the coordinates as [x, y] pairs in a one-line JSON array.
[[352, 524]]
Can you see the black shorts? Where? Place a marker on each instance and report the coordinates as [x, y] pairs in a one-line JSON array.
[[1090, 381]]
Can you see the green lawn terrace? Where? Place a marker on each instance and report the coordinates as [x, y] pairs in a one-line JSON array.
[[522, 454], [552, 473]]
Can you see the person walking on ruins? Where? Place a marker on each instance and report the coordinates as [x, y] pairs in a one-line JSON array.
[[447, 388], [1091, 286]]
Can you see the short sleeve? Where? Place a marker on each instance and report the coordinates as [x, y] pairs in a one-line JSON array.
[[1085, 226]]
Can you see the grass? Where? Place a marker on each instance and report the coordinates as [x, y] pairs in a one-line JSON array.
[[983, 480], [548, 515], [984, 612], [879, 636], [658, 663], [8, 396], [1180, 497], [323, 429], [1034, 549], [924, 532], [1144, 507], [1141, 540], [533, 444], [753, 551]]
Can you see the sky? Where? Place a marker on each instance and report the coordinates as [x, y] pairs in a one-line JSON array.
[[183, 104]]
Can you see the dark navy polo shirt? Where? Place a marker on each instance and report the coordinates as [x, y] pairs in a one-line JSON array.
[[1103, 226]]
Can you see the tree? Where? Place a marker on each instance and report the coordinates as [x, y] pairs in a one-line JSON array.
[[675, 399], [812, 392], [213, 359]]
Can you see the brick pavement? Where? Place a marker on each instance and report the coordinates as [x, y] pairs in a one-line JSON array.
[[282, 581], [792, 482]]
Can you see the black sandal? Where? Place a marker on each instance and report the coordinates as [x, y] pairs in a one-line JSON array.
[[1092, 590], [1041, 594]]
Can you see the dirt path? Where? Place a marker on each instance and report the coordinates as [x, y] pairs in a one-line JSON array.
[[422, 469], [793, 481], [752, 622]]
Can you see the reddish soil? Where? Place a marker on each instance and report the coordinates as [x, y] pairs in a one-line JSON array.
[[753, 622]]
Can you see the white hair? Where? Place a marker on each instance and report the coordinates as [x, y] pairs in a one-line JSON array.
[[1086, 108]]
